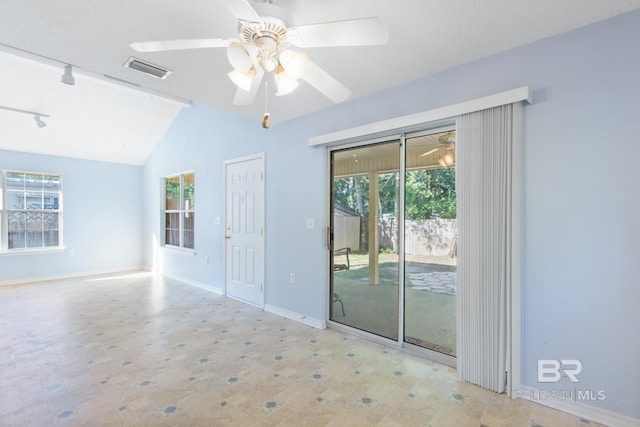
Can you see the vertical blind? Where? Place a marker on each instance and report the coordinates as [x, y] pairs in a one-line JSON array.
[[484, 183]]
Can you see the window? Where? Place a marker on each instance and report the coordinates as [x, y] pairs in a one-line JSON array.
[[31, 209], [179, 214]]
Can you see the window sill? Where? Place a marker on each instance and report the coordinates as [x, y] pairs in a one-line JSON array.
[[38, 251], [177, 249]]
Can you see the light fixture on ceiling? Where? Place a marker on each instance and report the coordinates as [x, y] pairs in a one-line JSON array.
[[294, 63], [287, 66], [39, 121], [446, 160], [292, 66], [36, 116], [67, 78], [449, 157], [242, 79], [285, 83]]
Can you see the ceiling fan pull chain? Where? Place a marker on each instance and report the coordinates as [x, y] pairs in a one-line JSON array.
[[266, 123]]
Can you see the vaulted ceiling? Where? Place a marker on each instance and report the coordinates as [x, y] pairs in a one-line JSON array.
[[425, 37]]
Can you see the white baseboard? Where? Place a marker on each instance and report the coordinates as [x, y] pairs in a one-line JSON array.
[[316, 323], [581, 410], [36, 279], [210, 288]]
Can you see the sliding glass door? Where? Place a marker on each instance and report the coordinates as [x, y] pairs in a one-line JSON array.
[[430, 243], [365, 203], [393, 240]]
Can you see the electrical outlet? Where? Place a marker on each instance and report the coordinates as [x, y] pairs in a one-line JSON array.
[[292, 277], [311, 224]]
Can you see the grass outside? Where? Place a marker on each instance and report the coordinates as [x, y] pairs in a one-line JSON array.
[[388, 266]]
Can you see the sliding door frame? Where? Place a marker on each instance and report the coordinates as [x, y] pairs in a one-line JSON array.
[[428, 119], [426, 129]]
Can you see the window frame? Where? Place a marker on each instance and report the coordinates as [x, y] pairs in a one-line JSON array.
[[5, 211], [181, 211]]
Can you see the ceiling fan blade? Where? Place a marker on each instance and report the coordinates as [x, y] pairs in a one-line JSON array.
[[356, 32], [159, 46], [324, 83], [433, 150], [244, 97], [242, 10]]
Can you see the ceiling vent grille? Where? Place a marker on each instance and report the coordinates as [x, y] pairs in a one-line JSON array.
[[147, 68]]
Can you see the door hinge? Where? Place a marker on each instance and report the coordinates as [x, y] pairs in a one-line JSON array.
[[261, 176]]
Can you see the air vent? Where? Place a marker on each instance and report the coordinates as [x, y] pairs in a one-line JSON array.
[[145, 67]]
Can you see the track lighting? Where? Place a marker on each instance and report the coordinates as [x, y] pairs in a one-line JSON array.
[[36, 116], [67, 77], [39, 121]]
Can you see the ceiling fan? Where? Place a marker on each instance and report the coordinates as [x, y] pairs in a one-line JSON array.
[[265, 33], [447, 142]]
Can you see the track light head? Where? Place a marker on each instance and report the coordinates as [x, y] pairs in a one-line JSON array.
[[39, 121], [67, 77]]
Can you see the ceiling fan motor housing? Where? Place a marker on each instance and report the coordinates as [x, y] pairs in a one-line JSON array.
[[271, 34]]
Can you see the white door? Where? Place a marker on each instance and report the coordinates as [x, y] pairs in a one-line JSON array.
[[244, 229]]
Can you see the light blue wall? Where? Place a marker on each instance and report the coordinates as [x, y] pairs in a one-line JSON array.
[[581, 229], [102, 218], [199, 140]]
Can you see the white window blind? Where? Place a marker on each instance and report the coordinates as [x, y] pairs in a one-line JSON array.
[[488, 265]]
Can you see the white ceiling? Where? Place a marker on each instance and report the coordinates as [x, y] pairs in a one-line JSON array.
[[94, 119], [100, 118]]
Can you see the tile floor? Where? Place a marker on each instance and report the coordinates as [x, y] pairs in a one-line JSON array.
[[140, 350]]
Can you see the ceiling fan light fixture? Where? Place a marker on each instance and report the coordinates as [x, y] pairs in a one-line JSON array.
[[294, 63], [265, 32], [239, 57], [285, 83], [268, 64], [448, 159], [242, 80]]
